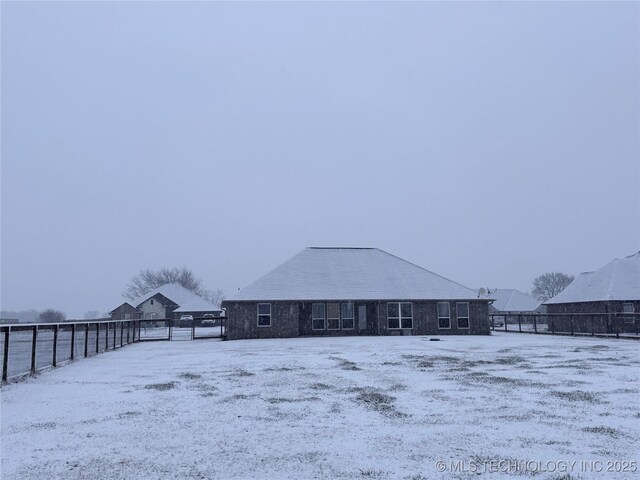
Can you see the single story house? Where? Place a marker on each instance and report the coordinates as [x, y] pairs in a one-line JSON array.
[[353, 291], [613, 289], [512, 300], [168, 301]]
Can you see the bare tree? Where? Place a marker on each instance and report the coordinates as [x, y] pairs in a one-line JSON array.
[[148, 280], [550, 284], [52, 316], [215, 296]]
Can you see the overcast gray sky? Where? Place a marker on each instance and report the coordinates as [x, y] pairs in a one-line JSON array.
[[487, 142]]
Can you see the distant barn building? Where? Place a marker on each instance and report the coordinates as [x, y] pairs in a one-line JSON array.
[[353, 291], [613, 289], [168, 301]]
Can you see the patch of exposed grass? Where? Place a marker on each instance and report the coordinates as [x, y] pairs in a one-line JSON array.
[[577, 396], [378, 401], [238, 396], [283, 369], [44, 425], [603, 430], [397, 387], [346, 364], [129, 414], [241, 373], [510, 360], [189, 376], [369, 473], [161, 386], [320, 386], [292, 400], [391, 363]]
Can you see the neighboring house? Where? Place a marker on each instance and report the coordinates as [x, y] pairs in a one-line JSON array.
[[169, 301], [353, 291], [511, 300], [615, 288], [126, 311]]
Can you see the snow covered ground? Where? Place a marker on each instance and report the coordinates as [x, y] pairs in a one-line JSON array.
[[368, 407]]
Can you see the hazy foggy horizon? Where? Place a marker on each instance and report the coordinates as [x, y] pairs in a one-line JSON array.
[[487, 142]]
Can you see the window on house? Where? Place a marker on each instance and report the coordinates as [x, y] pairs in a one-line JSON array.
[[147, 316], [126, 316], [346, 310], [399, 315], [318, 316], [628, 308], [151, 302], [444, 315], [154, 315], [264, 314], [462, 314], [333, 316]]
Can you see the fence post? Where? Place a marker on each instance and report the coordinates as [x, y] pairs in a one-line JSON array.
[[97, 338], [73, 339], [55, 344], [86, 340], [553, 327], [5, 356], [520, 323], [506, 319], [121, 333], [535, 323], [128, 328], [193, 329], [106, 338], [571, 323], [115, 328], [34, 344]]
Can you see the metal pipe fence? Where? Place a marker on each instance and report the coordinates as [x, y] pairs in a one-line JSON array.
[[611, 324], [28, 348]]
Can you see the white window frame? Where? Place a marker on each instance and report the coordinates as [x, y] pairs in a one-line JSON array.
[[258, 315], [324, 319], [630, 320], [352, 318], [126, 316], [439, 317], [332, 318], [400, 317], [468, 317]]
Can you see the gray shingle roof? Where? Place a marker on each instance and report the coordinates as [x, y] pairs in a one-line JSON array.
[[511, 300], [322, 273], [617, 280]]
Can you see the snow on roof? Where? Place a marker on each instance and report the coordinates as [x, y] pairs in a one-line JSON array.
[[324, 273], [617, 280], [180, 296], [511, 300], [198, 305]]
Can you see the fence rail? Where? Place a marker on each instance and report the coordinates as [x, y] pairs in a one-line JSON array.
[[29, 347], [613, 324]]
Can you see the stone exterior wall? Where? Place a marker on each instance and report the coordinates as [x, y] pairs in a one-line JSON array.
[[425, 319], [292, 319], [597, 322], [242, 320]]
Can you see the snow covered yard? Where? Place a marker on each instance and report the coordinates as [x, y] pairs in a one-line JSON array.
[[368, 407]]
